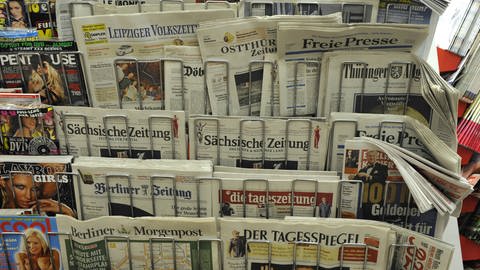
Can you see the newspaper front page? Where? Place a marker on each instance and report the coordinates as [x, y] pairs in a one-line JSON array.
[[412, 250], [386, 196], [380, 82], [247, 241], [102, 243], [193, 98], [142, 187], [109, 38], [299, 43], [121, 133], [273, 143], [269, 196]]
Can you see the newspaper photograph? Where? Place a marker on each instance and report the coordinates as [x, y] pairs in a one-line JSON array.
[[143, 187], [51, 69], [267, 143], [247, 197], [370, 77], [106, 39], [193, 98], [302, 42], [400, 130], [28, 130], [121, 133], [41, 184], [385, 195], [118, 242], [247, 242]]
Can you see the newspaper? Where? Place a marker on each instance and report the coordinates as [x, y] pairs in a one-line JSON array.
[[121, 133], [354, 11], [17, 234], [28, 130], [247, 242], [239, 42], [248, 142], [246, 196], [373, 76], [400, 130], [102, 244], [51, 69], [217, 170], [109, 38], [308, 43], [142, 187], [424, 252], [389, 185], [193, 98], [40, 183], [411, 12]]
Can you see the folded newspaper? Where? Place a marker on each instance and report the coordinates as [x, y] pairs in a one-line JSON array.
[[271, 244], [112, 44], [238, 48], [388, 177], [138, 243], [121, 133], [400, 130], [268, 143], [410, 249], [301, 48], [132, 187]]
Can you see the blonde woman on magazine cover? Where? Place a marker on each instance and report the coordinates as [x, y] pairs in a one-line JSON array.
[[39, 251], [54, 83]]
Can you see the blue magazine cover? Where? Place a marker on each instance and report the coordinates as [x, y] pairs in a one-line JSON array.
[[26, 243]]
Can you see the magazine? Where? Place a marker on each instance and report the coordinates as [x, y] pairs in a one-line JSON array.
[[387, 192], [123, 243], [400, 130], [304, 42], [121, 133], [51, 69], [17, 234], [268, 143], [410, 247], [143, 187], [260, 244], [193, 98], [371, 77], [43, 184], [28, 130], [113, 44], [247, 196], [238, 48]]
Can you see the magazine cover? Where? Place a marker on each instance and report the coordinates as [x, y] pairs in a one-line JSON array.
[[21, 232], [247, 242], [121, 133], [28, 131], [39, 15], [51, 69], [101, 243], [37, 183], [260, 143], [385, 196], [143, 187], [286, 196]]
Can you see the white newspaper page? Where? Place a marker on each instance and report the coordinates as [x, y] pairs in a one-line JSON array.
[[308, 42], [102, 244], [245, 245], [391, 84], [142, 188], [386, 197], [108, 38], [121, 133], [285, 197], [269, 143], [193, 97]]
